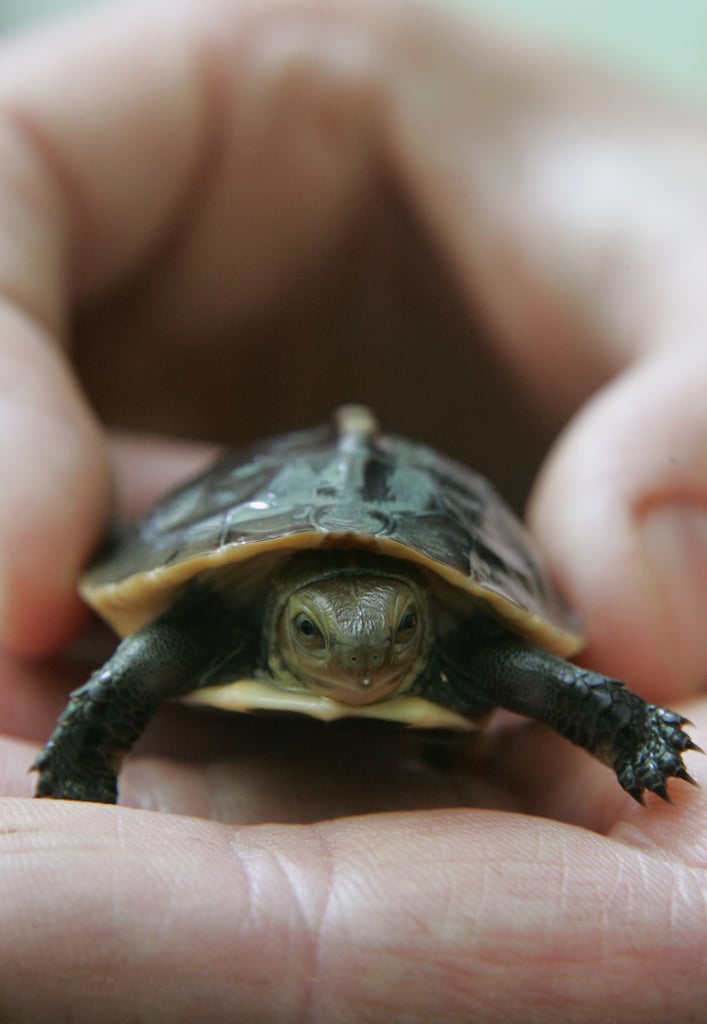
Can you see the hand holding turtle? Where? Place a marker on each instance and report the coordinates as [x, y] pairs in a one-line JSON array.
[[213, 211]]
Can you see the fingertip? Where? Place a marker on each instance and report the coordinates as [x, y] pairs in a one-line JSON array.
[[41, 560], [620, 508], [673, 534], [147, 466]]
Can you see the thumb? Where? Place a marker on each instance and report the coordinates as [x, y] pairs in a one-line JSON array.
[[53, 467], [621, 510]]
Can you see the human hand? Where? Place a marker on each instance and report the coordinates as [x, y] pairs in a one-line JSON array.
[[216, 221]]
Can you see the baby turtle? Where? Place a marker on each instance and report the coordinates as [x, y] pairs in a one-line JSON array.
[[342, 572]]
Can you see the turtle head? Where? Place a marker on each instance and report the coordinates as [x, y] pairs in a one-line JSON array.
[[356, 636]]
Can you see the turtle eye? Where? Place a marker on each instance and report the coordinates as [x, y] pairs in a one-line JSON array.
[[308, 632], [408, 624]]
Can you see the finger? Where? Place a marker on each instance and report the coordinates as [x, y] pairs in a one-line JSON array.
[[621, 508], [147, 467], [55, 488], [55, 479], [435, 917], [54, 471]]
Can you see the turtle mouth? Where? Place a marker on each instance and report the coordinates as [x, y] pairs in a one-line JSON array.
[[359, 689]]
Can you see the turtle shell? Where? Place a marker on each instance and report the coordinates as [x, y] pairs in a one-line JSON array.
[[345, 483]]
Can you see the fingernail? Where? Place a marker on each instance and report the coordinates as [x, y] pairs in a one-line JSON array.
[[675, 537]]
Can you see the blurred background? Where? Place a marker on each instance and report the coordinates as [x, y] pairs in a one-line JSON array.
[[664, 42]]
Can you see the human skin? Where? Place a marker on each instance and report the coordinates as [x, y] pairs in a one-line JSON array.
[[219, 219]]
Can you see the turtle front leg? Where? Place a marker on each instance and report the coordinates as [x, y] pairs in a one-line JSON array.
[[642, 742], [105, 716], [167, 658]]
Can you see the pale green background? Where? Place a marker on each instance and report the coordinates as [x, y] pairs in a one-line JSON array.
[[661, 40]]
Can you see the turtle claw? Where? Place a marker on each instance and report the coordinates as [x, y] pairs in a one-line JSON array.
[[686, 742], [681, 771], [662, 792]]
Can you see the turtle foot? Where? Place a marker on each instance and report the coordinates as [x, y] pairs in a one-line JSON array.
[[59, 779], [649, 752]]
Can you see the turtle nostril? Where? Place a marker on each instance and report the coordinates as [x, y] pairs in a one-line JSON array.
[[366, 660]]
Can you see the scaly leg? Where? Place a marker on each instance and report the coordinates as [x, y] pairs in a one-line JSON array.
[[642, 742], [167, 658]]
